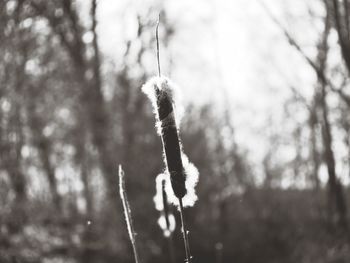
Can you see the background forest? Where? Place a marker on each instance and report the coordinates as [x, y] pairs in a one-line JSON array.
[[266, 98]]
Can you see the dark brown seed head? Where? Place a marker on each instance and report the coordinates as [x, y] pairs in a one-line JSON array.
[[171, 142]]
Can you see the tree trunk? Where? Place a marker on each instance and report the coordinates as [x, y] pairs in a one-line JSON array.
[[313, 145], [337, 203]]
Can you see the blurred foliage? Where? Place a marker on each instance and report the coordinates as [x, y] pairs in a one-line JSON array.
[[66, 123]]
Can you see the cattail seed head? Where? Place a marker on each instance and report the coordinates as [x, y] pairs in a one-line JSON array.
[[160, 91], [181, 176]]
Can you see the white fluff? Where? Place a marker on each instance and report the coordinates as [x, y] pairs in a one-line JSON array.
[[162, 223], [171, 90], [158, 201], [158, 198], [192, 176], [190, 198]]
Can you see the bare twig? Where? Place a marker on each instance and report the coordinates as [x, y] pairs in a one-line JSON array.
[[294, 90], [346, 98], [319, 72], [289, 37], [127, 212]]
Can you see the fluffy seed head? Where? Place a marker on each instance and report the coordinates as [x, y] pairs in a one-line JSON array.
[[181, 176], [160, 92]]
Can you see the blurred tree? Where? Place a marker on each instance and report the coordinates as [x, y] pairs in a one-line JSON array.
[[337, 204], [14, 53], [64, 21], [66, 121]]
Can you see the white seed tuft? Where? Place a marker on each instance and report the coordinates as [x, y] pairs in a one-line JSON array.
[[190, 198], [162, 223], [158, 198], [170, 90]]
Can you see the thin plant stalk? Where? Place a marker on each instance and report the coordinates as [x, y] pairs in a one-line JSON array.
[[127, 212], [167, 221], [157, 40], [171, 248], [185, 233]]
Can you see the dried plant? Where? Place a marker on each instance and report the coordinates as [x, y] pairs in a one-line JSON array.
[[183, 176], [127, 212]]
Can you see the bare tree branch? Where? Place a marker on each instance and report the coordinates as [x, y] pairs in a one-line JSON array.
[[319, 72]]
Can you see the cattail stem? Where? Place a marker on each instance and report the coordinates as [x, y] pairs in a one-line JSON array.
[[185, 233], [165, 205], [167, 221], [171, 248], [157, 40], [127, 212]]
